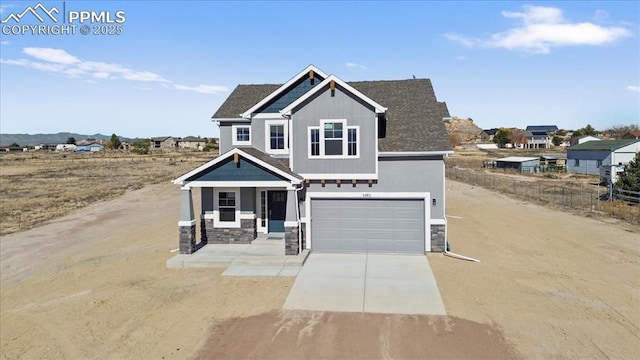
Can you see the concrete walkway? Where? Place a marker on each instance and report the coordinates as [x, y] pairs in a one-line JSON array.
[[263, 257], [390, 284]]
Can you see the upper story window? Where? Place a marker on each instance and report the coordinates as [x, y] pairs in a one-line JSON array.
[[276, 136], [333, 139], [241, 135]]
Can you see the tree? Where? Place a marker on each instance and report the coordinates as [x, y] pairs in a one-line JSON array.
[[114, 143], [502, 137], [71, 140], [141, 146], [561, 132], [518, 136], [589, 130], [557, 140], [211, 145], [629, 179], [14, 145]]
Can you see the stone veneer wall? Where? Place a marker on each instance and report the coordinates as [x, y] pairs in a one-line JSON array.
[[291, 240], [187, 239], [437, 238], [245, 234]]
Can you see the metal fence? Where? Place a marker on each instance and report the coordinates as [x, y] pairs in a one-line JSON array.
[[592, 199]]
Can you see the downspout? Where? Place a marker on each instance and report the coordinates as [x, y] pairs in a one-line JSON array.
[[446, 245]]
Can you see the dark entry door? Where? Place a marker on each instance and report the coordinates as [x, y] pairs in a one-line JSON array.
[[277, 206]]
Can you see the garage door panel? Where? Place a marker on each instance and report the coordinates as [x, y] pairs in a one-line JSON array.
[[367, 225]]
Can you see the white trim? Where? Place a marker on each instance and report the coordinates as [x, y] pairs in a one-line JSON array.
[[282, 88], [185, 188], [207, 216], [226, 120], [186, 223], [247, 216], [216, 208], [223, 157], [291, 224], [345, 176], [438, 221], [413, 153], [424, 196], [267, 136], [234, 135], [303, 219], [267, 116], [309, 155], [345, 140], [378, 108], [283, 185]]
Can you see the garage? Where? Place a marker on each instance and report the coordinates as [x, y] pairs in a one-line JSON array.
[[368, 225]]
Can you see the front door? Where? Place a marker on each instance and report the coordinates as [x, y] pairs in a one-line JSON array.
[[277, 207]]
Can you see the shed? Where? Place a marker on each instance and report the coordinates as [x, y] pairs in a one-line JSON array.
[[520, 163]]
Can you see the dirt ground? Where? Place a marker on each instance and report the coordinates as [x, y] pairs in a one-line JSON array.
[[94, 285]]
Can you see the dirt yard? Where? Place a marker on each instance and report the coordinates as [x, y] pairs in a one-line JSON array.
[[94, 284]]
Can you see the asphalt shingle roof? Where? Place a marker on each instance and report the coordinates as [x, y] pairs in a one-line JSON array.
[[414, 116], [602, 145], [546, 128]]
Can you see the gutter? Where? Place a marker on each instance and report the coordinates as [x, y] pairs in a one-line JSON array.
[[414, 153]]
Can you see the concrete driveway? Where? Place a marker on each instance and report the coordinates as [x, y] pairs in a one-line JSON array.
[[390, 284]]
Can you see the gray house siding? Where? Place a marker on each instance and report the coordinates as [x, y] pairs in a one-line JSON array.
[[587, 161], [400, 175], [225, 138], [248, 200], [339, 106]]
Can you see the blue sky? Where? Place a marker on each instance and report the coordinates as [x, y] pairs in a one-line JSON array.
[[569, 63]]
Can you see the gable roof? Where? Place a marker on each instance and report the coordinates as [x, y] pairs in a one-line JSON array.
[[413, 117], [542, 128], [602, 145], [264, 160], [247, 113]]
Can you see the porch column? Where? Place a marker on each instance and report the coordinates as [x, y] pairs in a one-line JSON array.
[[291, 225], [187, 223]]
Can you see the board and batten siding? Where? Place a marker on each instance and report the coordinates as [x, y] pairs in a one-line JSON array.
[[400, 175], [324, 106], [588, 161]]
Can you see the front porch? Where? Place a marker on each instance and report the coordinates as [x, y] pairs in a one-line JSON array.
[[244, 194], [262, 257]]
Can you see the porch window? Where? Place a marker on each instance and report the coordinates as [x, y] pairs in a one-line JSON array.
[[263, 208], [241, 135], [227, 206]]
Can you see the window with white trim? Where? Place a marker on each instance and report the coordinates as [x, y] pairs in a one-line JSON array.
[[598, 163], [241, 135], [333, 139], [227, 206], [276, 137]]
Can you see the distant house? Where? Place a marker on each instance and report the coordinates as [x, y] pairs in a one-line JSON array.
[[582, 139], [192, 142], [519, 163], [65, 147], [91, 147], [539, 136], [600, 157], [164, 142], [487, 134]]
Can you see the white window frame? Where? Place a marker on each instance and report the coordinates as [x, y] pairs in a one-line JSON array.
[[216, 208], [345, 140], [234, 139], [267, 136], [309, 153]]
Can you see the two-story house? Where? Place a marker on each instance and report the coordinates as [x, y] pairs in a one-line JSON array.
[[539, 136], [332, 166]]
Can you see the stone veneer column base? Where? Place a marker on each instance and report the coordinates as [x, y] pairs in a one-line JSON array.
[[437, 238], [245, 234], [291, 240], [187, 239]]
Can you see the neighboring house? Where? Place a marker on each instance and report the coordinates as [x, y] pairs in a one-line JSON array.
[[65, 147], [164, 142], [91, 147], [539, 136], [487, 134], [519, 163], [582, 139], [600, 157], [334, 166], [192, 142]]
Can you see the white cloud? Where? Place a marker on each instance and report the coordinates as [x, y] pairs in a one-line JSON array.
[[543, 28], [352, 65], [203, 89], [5, 42], [60, 61], [51, 55], [633, 88]]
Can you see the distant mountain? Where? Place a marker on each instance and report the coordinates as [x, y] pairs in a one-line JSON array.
[[59, 138]]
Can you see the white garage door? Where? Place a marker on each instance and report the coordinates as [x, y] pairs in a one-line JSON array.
[[367, 225]]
